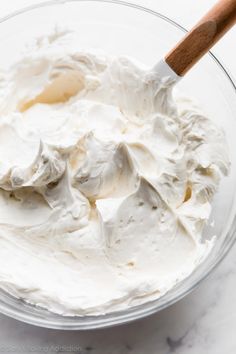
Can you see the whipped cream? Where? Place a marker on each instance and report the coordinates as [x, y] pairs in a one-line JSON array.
[[106, 180]]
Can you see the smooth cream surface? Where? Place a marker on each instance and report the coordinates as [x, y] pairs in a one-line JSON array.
[[106, 180]]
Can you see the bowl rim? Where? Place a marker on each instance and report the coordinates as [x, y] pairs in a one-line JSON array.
[[137, 312]]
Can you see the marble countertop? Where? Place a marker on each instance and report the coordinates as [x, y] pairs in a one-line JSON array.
[[203, 322]]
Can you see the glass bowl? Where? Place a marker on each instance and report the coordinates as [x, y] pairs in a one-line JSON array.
[[120, 28]]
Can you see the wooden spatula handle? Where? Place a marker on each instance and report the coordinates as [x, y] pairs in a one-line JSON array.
[[202, 37]]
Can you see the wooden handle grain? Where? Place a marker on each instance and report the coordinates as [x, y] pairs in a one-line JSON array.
[[202, 37]]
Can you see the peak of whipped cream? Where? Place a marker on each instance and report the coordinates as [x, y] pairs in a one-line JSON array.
[[106, 181]]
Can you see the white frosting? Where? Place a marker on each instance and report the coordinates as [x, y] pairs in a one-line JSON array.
[[105, 181]]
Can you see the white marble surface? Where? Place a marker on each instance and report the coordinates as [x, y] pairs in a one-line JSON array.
[[203, 322]]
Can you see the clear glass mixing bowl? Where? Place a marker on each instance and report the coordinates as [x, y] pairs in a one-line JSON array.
[[122, 28]]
